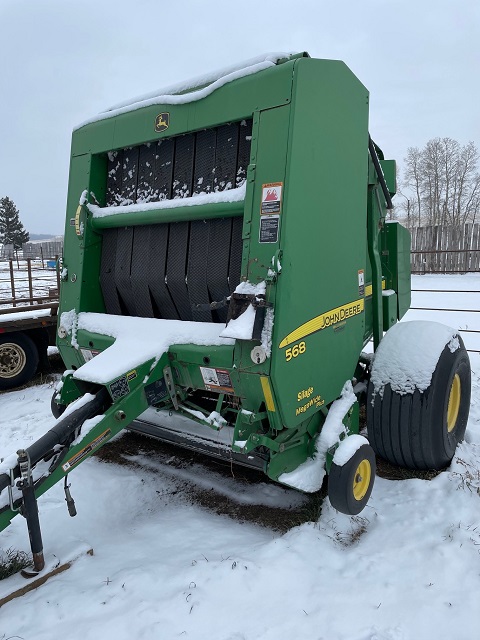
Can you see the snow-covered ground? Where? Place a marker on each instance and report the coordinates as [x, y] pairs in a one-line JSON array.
[[407, 568]]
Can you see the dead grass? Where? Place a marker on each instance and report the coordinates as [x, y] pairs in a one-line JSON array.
[[469, 479], [11, 562], [349, 538], [386, 469]]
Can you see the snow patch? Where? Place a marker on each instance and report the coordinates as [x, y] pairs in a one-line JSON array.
[[267, 331], [8, 463], [216, 420], [408, 354], [25, 315], [77, 404], [248, 288], [172, 95], [87, 426], [68, 321], [241, 328], [309, 475], [333, 426], [347, 448], [231, 195], [138, 340]]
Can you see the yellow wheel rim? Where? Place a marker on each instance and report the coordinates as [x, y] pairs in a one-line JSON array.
[[454, 403], [361, 479]]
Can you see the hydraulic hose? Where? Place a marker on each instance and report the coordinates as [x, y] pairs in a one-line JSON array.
[[61, 432], [379, 172]]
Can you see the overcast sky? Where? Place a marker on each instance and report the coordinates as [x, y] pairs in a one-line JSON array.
[[62, 61]]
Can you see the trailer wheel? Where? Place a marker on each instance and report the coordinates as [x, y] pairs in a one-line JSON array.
[[350, 483], [18, 360], [56, 408], [421, 430]]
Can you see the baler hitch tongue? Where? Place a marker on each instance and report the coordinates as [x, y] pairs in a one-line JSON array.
[[52, 446]]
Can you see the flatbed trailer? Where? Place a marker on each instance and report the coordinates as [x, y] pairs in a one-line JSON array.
[[29, 297]]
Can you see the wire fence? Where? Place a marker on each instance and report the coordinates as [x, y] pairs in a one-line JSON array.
[[450, 309]]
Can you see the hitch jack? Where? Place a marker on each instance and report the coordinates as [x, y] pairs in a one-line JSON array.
[[29, 510]]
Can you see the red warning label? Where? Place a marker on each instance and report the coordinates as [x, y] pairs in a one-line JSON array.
[[271, 198]]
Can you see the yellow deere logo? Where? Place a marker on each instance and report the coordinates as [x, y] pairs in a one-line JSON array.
[[161, 122]]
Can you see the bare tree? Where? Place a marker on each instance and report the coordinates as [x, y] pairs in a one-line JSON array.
[[441, 184]]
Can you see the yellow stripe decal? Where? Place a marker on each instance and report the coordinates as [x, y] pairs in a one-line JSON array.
[[267, 392], [77, 220], [327, 319], [369, 289]]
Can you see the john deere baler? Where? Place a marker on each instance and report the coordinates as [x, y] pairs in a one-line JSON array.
[[226, 262]]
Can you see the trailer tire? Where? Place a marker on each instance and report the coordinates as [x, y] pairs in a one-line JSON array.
[[350, 484], [18, 360], [421, 430]]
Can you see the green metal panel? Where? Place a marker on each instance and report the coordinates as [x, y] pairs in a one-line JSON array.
[[232, 102], [324, 216], [396, 264], [389, 168], [268, 166], [177, 214], [389, 303]]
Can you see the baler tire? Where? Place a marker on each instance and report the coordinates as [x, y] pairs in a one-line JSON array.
[[350, 484], [56, 408], [18, 360], [421, 430]]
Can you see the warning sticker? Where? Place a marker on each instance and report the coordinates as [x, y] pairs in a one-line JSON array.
[[269, 228], [361, 283], [271, 198], [88, 354], [83, 453], [216, 379]]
